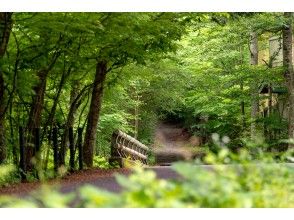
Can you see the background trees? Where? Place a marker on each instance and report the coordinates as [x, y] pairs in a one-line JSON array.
[[104, 71]]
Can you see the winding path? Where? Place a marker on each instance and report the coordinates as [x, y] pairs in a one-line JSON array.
[[173, 143]]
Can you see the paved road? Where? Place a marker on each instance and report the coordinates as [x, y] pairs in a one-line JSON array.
[[109, 183], [174, 143], [163, 172]]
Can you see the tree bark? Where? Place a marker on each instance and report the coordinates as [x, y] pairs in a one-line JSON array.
[[254, 89], [34, 120], [289, 73], [38, 101], [73, 107], [36, 109], [242, 104], [94, 113], [137, 117], [5, 30]]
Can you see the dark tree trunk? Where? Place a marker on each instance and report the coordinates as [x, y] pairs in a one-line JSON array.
[[35, 116], [36, 109], [242, 106], [289, 73], [50, 120], [38, 101], [73, 107], [5, 29], [94, 113], [254, 89], [2, 116]]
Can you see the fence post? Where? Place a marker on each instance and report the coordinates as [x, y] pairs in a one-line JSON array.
[[22, 165], [114, 156], [113, 150], [71, 149], [55, 149], [80, 147]]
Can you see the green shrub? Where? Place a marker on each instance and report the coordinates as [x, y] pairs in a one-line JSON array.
[[243, 183], [8, 174], [101, 162]]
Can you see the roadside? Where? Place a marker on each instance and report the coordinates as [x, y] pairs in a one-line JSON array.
[[172, 143]]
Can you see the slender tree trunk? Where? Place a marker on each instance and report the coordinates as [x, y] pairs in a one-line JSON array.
[[51, 115], [242, 107], [2, 117], [242, 104], [289, 73], [73, 107], [36, 109], [270, 109], [50, 120], [254, 89], [137, 116], [35, 116], [94, 113], [5, 30], [38, 101]]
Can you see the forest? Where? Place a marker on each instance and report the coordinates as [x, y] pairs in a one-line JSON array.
[[69, 80]]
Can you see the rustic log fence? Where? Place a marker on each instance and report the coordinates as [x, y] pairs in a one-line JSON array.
[[125, 147]]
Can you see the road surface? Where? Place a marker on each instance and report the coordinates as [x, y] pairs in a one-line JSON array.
[[173, 143]]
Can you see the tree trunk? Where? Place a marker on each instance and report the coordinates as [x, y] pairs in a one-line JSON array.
[[2, 117], [242, 106], [73, 107], [35, 116], [38, 101], [94, 113], [137, 116], [37, 107], [289, 73], [5, 29], [254, 89], [50, 119]]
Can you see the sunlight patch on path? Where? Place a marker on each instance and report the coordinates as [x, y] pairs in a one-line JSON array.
[[173, 143]]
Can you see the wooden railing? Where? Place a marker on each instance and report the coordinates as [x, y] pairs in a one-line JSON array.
[[124, 146]]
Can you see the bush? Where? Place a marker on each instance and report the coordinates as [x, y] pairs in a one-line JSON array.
[[243, 183], [8, 174], [101, 162]]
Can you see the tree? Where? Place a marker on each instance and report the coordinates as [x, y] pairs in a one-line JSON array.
[[5, 30], [146, 36], [255, 87], [289, 73]]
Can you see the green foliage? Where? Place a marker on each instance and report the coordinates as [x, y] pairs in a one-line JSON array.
[[242, 183], [8, 175], [101, 162], [187, 67]]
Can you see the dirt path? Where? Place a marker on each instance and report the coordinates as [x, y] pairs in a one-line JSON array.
[[173, 143]]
